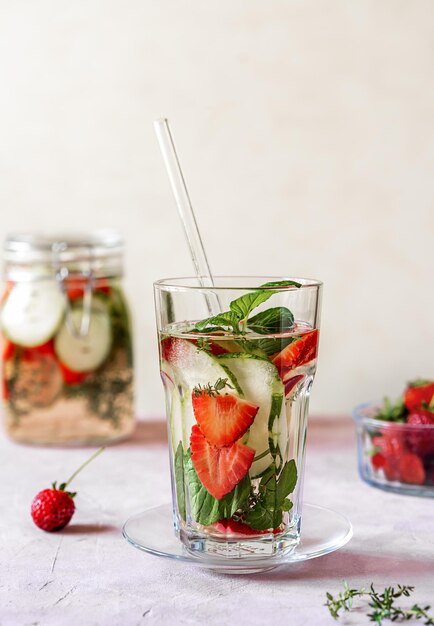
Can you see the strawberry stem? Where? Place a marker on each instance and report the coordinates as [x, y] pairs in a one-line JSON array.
[[94, 455]]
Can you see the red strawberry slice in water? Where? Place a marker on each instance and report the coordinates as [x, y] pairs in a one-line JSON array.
[[299, 352], [232, 527], [222, 419], [290, 383], [219, 469]]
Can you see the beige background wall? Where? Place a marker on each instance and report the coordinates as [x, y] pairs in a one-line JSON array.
[[306, 131]]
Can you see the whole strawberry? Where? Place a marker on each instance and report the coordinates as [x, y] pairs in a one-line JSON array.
[[421, 441], [418, 394], [52, 509]]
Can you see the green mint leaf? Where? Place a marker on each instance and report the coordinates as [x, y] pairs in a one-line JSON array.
[[269, 346], [242, 306], [204, 507], [281, 283], [287, 481], [180, 481], [227, 319], [287, 505], [275, 410], [236, 499], [265, 514], [275, 320], [267, 511], [260, 517], [209, 330]]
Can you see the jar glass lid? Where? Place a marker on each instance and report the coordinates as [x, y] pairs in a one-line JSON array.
[[99, 252]]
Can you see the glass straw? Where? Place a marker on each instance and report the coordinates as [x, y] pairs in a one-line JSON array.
[[186, 213]]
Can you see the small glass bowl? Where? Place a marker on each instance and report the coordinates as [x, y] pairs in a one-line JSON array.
[[393, 456]]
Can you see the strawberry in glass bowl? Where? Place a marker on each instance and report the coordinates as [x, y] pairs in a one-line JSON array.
[[395, 441]]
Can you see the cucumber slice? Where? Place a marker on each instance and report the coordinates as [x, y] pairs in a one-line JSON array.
[[32, 313], [176, 420], [85, 353], [191, 366], [262, 386]]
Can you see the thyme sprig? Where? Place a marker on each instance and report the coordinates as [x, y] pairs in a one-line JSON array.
[[383, 604], [212, 390]]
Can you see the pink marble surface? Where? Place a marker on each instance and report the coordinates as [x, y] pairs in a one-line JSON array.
[[89, 575]]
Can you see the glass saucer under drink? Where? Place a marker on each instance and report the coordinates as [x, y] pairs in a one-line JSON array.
[[237, 362]]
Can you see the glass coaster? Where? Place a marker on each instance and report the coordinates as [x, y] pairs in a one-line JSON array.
[[322, 531]]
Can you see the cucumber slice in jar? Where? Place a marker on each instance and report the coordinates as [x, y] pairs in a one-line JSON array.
[[262, 386], [32, 313], [84, 353]]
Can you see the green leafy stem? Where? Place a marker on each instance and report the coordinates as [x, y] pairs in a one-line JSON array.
[[383, 604], [237, 319]]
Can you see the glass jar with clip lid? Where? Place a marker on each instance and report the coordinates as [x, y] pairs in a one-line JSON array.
[[67, 346]]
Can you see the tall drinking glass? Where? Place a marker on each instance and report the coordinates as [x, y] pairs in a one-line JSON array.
[[237, 362]]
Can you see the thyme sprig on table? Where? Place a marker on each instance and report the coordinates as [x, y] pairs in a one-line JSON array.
[[383, 604]]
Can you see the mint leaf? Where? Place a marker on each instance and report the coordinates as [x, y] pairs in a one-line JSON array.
[[180, 480], [281, 283], [275, 410], [242, 306], [271, 501], [240, 309], [265, 514], [271, 346], [209, 330], [262, 517], [287, 505], [227, 319], [236, 499], [204, 507], [275, 320], [287, 481]]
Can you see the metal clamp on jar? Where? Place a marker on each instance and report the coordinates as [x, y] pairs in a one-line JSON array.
[[67, 345]]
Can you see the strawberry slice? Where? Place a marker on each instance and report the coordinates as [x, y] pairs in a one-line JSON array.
[[299, 352], [232, 527], [290, 383], [70, 377], [418, 394], [222, 419], [35, 353], [8, 348], [219, 469]]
